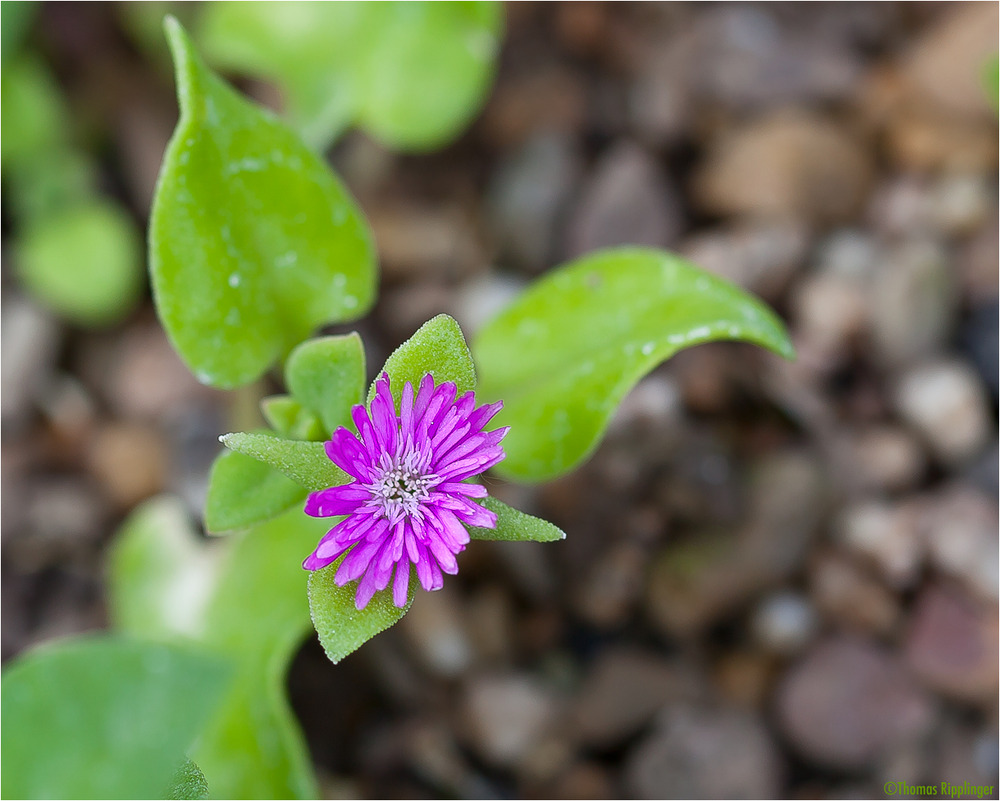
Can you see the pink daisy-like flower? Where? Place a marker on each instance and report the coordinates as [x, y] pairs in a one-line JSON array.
[[408, 503]]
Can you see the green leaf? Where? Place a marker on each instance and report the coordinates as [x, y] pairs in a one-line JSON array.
[[341, 626], [18, 18], [411, 73], [188, 783], [246, 599], [36, 117], [84, 262], [303, 462], [253, 241], [327, 376], [566, 352], [243, 492], [103, 717], [991, 81], [46, 187], [515, 526], [438, 347], [289, 419], [161, 576]]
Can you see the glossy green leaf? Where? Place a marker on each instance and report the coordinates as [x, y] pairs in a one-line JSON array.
[[246, 599], [303, 462], [564, 354], [411, 73], [327, 376], [515, 526], [341, 626], [103, 717], [290, 419], [188, 783], [243, 492], [84, 262], [438, 347], [253, 240]]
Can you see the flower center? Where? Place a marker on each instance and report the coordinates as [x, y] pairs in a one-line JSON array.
[[402, 487]]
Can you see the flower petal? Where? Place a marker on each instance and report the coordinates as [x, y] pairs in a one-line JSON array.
[[401, 584], [342, 500]]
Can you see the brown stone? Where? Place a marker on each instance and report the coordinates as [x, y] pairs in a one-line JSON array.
[[786, 164], [848, 702], [952, 644]]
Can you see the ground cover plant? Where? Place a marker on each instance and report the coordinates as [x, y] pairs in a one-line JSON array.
[[367, 478]]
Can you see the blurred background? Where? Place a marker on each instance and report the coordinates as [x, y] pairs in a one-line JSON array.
[[779, 580]]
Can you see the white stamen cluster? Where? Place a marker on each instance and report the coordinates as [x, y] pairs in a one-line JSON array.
[[403, 485]]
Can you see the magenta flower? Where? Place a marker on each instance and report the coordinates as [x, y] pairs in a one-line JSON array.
[[408, 503]]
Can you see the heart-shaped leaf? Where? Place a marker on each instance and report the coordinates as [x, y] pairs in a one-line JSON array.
[[253, 242], [411, 73], [564, 354], [104, 716]]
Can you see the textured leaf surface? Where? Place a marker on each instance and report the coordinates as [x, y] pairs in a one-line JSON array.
[[342, 628], [564, 354], [327, 376], [515, 526], [411, 73], [243, 492], [84, 262], [253, 241], [246, 599], [188, 783], [103, 717], [438, 347], [304, 462]]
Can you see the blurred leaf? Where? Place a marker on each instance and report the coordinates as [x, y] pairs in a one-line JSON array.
[[327, 376], [515, 526], [84, 262], [438, 347], [991, 81], [162, 577], [15, 22], [564, 354], [44, 186], [35, 118], [411, 73], [253, 610], [103, 717], [289, 419], [341, 626], [303, 462], [188, 783], [243, 492], [253, 241]]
